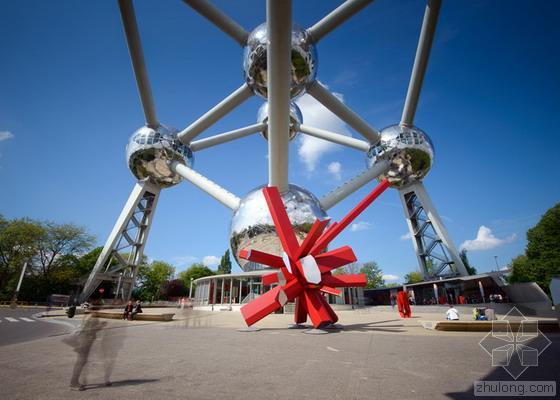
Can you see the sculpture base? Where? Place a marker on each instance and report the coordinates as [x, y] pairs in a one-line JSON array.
[[298, 326], [315, 331], [249, 329], [337, 327]]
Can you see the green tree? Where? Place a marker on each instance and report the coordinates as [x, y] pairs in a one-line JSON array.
[[348, 269], [373, 273], [57, 242], [152, 278], [18, 243], [225, 264], [413, 277], [195, 271], [430, 266], [174, 288], [87, 261], [52, 252], [541, 260], [470, 269]]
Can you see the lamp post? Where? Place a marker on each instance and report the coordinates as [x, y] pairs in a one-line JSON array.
[[190, 290], [15, 296], [497, 267]]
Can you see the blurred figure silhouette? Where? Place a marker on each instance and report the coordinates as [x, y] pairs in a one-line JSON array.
[[137, 309], [82, 341], [128, 309]]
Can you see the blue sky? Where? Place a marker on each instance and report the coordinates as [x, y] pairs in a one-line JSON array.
[[68, 104]]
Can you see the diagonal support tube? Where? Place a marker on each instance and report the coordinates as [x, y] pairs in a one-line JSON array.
[[342, 111], [137, 58], [279, 31], [348, 141], [221, 20], [346, 189], [226, 137], [421, 61], [213, 189], [215, 114], [336, 18], [332, 233]]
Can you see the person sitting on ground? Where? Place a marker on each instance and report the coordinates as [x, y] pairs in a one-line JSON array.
[[128, 309], [452, 314], [475, 314], [137, 309]]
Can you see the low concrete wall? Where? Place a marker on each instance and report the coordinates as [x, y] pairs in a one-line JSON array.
[[288, 309]]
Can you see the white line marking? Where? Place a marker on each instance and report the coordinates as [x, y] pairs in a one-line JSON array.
[[27, 319], [332, 348], [11, 319]]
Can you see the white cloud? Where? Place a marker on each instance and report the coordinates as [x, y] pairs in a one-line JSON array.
[[311, 149], [211, 261], [391, 278], [5, 135], [406, 236], [360, 226], [485, 240], [334, 168], [184, 260]]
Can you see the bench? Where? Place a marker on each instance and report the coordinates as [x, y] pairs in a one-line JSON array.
[[138, 317], [486, 326]]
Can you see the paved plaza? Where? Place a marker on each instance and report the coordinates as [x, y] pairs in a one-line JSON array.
[[201, 355]]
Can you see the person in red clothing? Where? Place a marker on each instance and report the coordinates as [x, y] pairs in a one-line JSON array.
[[128, 309]]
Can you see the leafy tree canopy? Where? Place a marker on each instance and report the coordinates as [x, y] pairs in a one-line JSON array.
[[373, 273], [470, 269], [541, 260], [152, 279], [349, 269], [51, 250], [18, 243], [225, 264], [195, 271], [413, 277]]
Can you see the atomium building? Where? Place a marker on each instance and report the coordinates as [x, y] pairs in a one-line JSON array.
[[280, 63]]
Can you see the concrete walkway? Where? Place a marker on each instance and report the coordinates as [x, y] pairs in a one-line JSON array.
[[201, 355]]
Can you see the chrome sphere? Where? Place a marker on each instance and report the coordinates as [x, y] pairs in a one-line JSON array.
[[150, 151], [304, 61], [296, 118], [252, 226], [409, 151]]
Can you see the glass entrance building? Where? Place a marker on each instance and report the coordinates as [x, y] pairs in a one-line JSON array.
[[231, 291]]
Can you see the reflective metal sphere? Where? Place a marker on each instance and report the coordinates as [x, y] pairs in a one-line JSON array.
[[304, 61], [296, 118], [252, 226], [408, 149], [150, 151]]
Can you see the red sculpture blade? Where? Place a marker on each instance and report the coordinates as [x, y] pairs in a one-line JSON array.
[[328, 237], [281, 221], [306, 290]]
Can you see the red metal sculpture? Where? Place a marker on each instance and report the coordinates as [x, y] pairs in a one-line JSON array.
[[304, 273], [403, 305]]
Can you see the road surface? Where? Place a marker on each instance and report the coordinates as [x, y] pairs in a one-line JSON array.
[[19, 325]]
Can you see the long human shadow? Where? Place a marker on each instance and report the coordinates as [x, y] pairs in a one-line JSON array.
[[124, 382], [547, 370], [373, 327]]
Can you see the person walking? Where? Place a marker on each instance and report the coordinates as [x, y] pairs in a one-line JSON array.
[[82, 341]]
